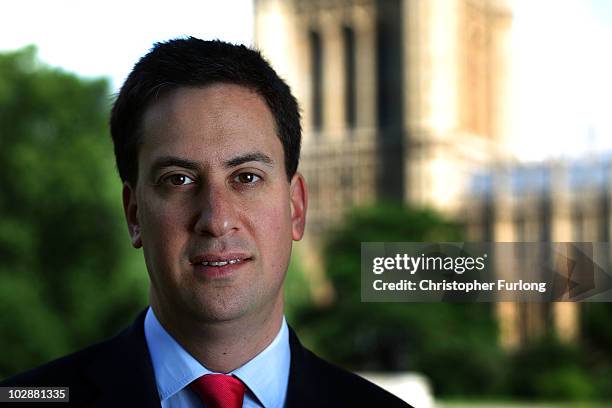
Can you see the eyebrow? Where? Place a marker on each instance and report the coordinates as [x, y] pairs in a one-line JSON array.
[[249, 157], [168, 161]]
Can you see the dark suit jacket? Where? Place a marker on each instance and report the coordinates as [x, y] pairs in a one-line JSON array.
[[119, 372]]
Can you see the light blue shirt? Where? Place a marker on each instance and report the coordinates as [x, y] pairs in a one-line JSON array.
[[266, 375]]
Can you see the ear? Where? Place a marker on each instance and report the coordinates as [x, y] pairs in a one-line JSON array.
[[299, 203], [130, 208]]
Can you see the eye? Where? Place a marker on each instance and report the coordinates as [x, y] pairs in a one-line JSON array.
[[247, 178], [178, 180]]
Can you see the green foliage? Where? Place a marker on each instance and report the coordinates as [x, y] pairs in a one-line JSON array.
[[597, 346], [550, 370], [66, 278], [455, 345], [597, 328], [297, 295]]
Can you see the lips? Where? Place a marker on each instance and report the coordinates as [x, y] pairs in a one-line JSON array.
[[219, 259], [219, 265]]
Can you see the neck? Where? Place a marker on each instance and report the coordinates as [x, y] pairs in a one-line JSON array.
[[223, 346]]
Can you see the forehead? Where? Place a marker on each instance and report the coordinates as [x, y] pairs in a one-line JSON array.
[[208, 123]]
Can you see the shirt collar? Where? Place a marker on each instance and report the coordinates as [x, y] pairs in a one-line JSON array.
[[266, 375]]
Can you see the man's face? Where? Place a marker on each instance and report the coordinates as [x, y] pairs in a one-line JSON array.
[[212, 208]]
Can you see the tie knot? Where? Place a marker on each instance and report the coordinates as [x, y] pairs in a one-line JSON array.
[[219, 390]]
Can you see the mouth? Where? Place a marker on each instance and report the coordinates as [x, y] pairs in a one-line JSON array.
[[216, 266], [221, 263]]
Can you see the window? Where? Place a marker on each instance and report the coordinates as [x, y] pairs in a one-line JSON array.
[[316, 59], [348, 39]]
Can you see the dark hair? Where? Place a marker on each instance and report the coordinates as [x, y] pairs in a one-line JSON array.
[[193, 62]]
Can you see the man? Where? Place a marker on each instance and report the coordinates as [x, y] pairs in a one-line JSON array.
[[207, 141]]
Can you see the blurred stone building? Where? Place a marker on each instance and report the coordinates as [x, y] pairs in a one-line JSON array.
[[405, 100], [552, 202]]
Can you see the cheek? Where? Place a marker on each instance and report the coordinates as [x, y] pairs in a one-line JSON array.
[[274, 217], [161, 225], [272, 224]]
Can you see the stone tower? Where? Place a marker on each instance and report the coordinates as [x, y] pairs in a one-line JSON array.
[[401, 100]]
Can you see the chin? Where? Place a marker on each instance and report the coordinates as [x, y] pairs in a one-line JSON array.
[[221, 310]]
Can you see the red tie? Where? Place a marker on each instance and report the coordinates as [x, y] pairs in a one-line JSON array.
[[219, 390]]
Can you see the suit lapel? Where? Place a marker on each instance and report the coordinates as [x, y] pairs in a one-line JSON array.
[[123, 372], [301, 390]]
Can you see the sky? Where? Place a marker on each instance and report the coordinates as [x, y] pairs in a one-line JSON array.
[[106, 38], [562, 82], [561, 55]]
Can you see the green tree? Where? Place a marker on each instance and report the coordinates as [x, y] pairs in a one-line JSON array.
[[596, 342], [455, 345], [66, 276]]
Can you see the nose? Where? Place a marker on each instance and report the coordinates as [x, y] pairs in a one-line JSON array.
[[216, 216]]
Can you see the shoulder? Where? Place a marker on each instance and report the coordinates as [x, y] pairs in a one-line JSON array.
[[98, 372], [351, 387], [65, 370], [318, 380], [70, 371]]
